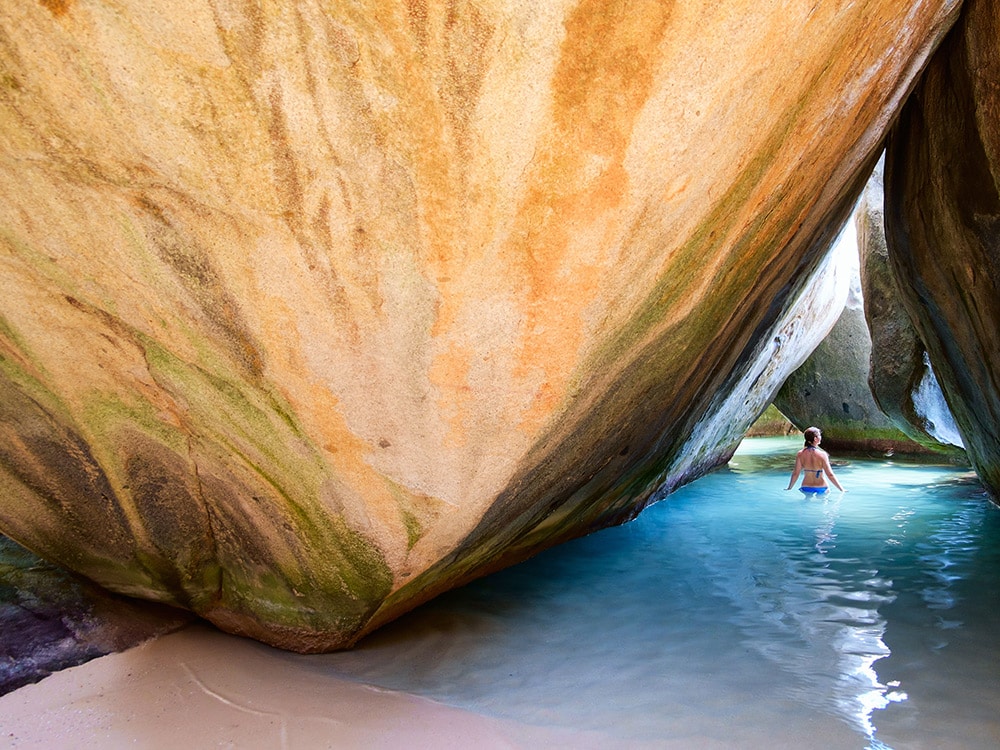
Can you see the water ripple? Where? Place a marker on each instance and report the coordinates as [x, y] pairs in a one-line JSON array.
[[736, 611]]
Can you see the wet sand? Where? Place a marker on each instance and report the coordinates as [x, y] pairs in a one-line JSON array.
[[200, 688], [733, 616]]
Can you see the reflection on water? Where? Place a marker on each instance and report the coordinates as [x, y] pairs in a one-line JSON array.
[[736, 614], [813, 611]]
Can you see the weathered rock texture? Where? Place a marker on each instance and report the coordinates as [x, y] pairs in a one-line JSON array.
[[901, 378], [831, 388], [873, 351], [312, 310], [942, 215], [51, 619]]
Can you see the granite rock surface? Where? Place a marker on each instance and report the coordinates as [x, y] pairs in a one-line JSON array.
[[310, 311], [900, 374], [942, 213]]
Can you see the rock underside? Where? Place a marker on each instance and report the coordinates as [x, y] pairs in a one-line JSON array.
[[51, 619], [311, 311], [942, 213]]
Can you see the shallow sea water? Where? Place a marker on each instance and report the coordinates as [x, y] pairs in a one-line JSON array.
[[735, 614]]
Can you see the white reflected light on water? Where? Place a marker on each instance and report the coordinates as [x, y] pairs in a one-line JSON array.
[[815, 615], [735, 614]]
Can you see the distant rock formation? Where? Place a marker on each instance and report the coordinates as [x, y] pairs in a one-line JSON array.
[[830, 389], [772, 423], [803, 327], [868, 384], [901, 377], [311, 311], [942, 214]]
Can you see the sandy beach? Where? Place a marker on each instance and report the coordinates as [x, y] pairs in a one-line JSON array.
[[200, 688], [772, 622]]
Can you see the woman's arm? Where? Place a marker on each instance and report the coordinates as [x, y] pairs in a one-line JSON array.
[[828, 470], [796, 471]]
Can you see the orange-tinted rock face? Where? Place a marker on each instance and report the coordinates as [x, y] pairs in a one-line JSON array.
[[943, 225], [311, 310]]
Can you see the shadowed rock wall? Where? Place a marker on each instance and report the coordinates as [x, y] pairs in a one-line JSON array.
[[943, 225], [310, 311], [831, 390], [901, 378], [51, 620]]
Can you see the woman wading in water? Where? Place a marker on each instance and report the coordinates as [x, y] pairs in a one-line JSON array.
[[813, 462]]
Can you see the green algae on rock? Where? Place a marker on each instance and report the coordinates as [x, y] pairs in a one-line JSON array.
[[314, 310]]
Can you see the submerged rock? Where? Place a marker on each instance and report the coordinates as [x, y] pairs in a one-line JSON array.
[[942, 215], [311, 311]]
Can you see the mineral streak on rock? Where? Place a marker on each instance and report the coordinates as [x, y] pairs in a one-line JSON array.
[[312, 310], [942, 220]]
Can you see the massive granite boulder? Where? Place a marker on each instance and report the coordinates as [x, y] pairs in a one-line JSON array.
[[942, 213], [310, 311], [900, 375]]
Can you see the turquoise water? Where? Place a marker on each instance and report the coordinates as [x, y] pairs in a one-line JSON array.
[[736, 614]]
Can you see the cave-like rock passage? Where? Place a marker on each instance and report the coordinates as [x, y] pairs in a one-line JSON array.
[[900, 374], [942, 216], [869, 383], [310, 310]]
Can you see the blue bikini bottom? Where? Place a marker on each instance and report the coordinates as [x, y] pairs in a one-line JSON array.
[[814, 490]]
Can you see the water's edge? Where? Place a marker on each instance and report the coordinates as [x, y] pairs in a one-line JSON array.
[[732, 614]]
